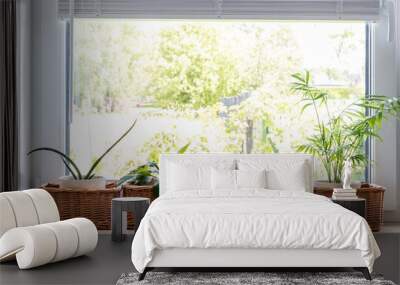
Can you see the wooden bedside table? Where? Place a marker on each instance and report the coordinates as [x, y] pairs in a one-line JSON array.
[[357, 205]]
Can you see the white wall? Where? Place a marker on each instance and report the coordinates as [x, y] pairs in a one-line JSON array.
[[48, 91]]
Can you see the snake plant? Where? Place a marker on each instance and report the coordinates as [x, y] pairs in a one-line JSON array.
[[71, 165]]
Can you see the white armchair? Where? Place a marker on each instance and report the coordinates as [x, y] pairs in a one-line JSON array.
[[31, 230]]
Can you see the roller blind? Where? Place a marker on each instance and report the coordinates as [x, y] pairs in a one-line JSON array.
[[223, 9]]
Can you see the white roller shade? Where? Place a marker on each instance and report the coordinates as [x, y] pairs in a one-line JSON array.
[[223, 9]]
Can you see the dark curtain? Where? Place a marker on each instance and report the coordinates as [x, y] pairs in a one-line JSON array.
[[8, 97]]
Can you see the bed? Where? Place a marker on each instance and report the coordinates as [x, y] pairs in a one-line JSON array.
[[245, 211]]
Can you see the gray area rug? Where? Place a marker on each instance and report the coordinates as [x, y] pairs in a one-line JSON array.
[[269, 278]]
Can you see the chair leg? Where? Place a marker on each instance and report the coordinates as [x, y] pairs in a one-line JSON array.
[[364, 271], [143, 274]]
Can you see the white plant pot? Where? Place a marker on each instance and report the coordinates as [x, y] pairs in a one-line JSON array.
[[326, 185], [95, 183], [330, 185]]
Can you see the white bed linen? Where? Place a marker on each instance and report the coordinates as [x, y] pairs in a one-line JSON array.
[[252, 218]]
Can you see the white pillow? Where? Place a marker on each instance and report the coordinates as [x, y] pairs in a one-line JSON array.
[[251, 178], [223, 179], [294, 179], [282, 174], [182, 177]]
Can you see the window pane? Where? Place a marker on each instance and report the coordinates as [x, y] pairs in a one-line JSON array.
[[222, 86]]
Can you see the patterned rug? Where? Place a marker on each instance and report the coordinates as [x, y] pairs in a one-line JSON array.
[[244, 278]]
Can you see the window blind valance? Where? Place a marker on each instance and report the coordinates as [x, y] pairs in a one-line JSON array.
[[223, 9]]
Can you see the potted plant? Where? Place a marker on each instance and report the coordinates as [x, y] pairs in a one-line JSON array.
[[144, 179], [78, 180], [342, 135], [145, 174]]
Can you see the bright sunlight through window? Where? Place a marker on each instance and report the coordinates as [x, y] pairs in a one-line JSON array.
[[222, 86]]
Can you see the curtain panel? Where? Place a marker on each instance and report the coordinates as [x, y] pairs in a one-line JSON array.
[[8, 97]]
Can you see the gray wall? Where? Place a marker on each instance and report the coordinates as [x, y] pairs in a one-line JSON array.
[[391, 161], [24, 88], [48, 90], [385, 165]]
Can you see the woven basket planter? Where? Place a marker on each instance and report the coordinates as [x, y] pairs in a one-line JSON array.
[[146, 191], [94, 205], [129, 190], [373, 194]]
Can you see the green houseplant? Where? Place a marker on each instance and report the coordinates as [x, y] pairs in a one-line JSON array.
[[78, 179], [343, 135], [146, 174]]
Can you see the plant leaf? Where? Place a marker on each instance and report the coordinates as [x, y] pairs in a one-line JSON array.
[[183, 149], [124, 179], [94, 165], [70, 161], [69, 169]]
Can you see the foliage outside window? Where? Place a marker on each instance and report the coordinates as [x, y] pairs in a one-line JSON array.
[[223, 86]]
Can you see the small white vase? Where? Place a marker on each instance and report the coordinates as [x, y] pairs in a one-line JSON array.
[[96, 183]]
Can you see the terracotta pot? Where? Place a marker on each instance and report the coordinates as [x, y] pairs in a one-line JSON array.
[[96, 183]]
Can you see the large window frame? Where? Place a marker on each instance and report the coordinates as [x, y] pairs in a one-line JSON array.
[[368, 91], [369, 87]]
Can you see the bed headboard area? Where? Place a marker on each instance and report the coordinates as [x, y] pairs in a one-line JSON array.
[[285, 171]]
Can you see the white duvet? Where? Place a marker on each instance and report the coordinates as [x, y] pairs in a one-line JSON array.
[[250, 219]]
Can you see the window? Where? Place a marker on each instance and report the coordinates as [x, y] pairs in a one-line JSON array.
[[222, 86]]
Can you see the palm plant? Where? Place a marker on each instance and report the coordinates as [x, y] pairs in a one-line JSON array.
[[343, 135], [71, 165]]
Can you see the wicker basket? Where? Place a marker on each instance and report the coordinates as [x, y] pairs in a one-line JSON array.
[[94, 205], [373, 194], [129, 190], [146, 191]]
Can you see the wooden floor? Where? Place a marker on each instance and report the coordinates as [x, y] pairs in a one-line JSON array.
[[103, 266]]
